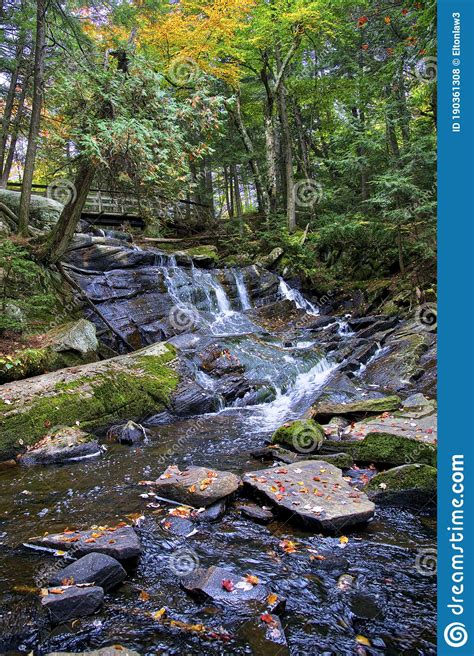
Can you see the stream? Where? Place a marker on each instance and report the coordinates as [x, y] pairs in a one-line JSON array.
[[386, 599]]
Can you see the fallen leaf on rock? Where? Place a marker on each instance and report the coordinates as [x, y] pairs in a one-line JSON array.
[[159, 614], [343, 539], [267, 618], [288, 546], [57, 591], [362, 640], [251, 578], [228, 585], [143, 596]]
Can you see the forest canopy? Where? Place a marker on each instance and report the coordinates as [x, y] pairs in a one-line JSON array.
[[295, 122]]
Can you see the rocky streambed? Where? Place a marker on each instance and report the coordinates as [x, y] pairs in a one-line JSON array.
[[277, 496]]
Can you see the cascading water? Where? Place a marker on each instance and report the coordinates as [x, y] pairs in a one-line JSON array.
[[288, 376], [242, 290], [297, 297]]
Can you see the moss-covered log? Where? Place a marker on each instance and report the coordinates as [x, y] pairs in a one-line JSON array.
[[92, 395]]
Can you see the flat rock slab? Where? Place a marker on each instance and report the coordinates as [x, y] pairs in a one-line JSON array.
[[314, 492], [67, 603], [223, 585], [121, 543], [63, 445], [421, 425], [196, 486], [96, 568]]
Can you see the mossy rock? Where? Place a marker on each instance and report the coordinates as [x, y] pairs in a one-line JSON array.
[[35, 361], [383, 404], [95, 395], [303, 435], [412, 484], [385, 449]]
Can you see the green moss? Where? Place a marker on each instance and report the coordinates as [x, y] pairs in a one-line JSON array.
[[386, 448], [93, 401], [406, 477], [384, 404], [304, 435], [34, 361], [209, 252]]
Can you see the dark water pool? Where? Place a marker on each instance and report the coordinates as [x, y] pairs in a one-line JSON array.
[[384, 599]]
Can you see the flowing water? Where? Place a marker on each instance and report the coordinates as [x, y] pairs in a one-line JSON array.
[[386, 599]]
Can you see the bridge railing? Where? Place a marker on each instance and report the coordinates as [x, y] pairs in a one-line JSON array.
[[120, 204]]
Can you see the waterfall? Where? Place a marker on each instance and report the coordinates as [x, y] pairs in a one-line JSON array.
[[298, 299], [242, 290]]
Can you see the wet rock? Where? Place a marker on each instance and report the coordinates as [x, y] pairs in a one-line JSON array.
[[399, 366], [129, 433], [63, 445], [121, 543], [265, 636], [90, 253], [192, 399], [223, 585], [73, 602], [277, 316], [314, 492], [96, 568], [303, 435], [341, 396], [341, 460], [113, 650], [178, 526], [381, 325], [320, 322], [77, 336], [412, 485], [214, 512], [256, 513], [196, 486], [220, 361]]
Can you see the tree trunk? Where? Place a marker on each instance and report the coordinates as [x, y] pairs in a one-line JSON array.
[[270, 146], [287, 152], [262, 197], [209, 190], [13, 137], [10, 99], [33, 134], [62, 233], [228, 194]]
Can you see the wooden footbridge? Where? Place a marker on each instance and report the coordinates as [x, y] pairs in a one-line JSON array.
[[115, 208]]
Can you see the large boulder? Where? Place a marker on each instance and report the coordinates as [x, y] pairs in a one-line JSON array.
[[399, 366], [69, 602], [62, 445], [196, 486], [412, 484], [44, 212], [313, 492], [340, 395], [303, 435], [96, 568], [77, 336], [119, 542], [95, 395]]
